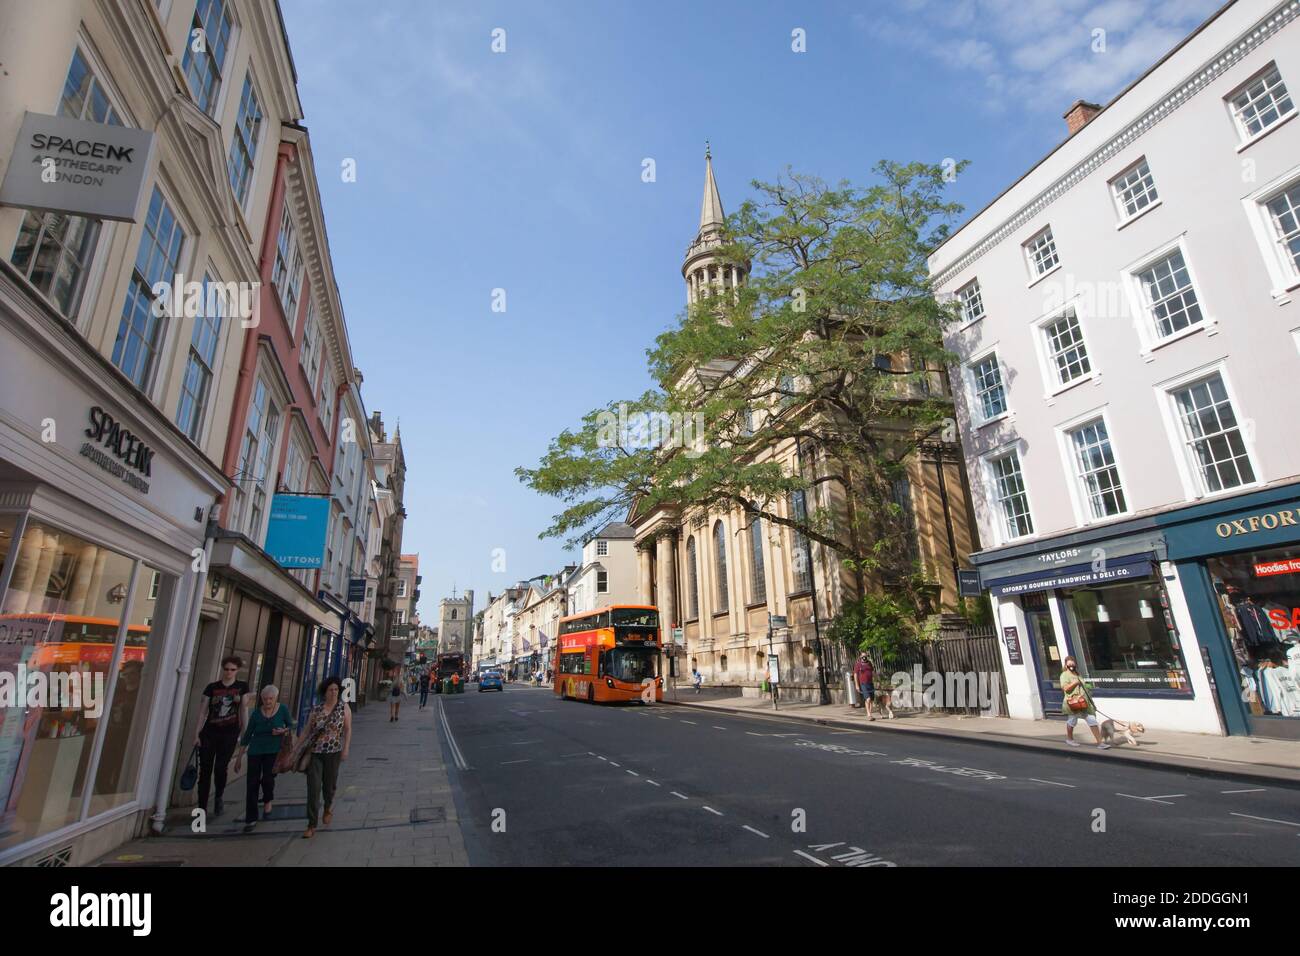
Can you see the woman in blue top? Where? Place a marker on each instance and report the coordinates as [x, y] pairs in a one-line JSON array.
[[266, 726]]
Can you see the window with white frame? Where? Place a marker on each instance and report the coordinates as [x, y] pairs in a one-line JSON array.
[[1134, 189], [401, 587], [990, 394], [205, 52], [243, 144], [1066, 352], [971, 301], [1041, 253], [287, 277], [326, 398], [295, 468], [1212, 435], [1168, 295], [142, 329], [400, 615], [1010, 496], [1284, 213], [197, 381], [53, 250], [309, 354], [602, 548], [1261, 103], [602, 582], [1094, 463], [256, 454]]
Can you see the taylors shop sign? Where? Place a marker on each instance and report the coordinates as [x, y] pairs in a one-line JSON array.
[[60, 164]]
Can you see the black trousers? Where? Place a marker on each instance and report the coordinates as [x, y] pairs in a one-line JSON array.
[[424, 695], [215, 751], [261, 772]]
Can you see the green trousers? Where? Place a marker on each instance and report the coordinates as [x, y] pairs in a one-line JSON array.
[[324, 769]]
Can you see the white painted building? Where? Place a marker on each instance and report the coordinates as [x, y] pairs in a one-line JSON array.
[[608, 573], [1127, 342]]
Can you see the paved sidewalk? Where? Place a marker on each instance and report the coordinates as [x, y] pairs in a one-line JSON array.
[[1240, 757], [394, 807]]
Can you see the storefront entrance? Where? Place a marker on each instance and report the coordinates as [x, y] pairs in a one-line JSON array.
[[1047, 655]]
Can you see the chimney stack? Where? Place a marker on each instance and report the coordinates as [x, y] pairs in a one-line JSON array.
[[1080, 114]]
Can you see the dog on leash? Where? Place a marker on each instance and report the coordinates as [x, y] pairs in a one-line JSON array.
[[1119, 732]]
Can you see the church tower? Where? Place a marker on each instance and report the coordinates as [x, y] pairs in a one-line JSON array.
[[702, 270]]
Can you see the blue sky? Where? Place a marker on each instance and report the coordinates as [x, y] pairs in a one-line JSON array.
[[522, 171]]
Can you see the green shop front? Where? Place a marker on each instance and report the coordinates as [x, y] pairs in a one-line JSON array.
[[1239, 564]]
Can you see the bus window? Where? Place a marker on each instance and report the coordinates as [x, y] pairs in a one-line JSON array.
[[631, 664], [636, 617]]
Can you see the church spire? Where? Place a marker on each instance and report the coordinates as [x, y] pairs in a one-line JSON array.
[[711, 214], [702, 270]]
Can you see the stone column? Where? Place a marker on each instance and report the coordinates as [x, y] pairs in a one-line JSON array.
[[645, 582], [667, 567]]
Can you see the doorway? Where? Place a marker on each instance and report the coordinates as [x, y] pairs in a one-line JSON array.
[[1047, 654]]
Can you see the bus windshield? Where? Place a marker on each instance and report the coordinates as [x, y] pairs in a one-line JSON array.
[[632, 664], [636, 617]]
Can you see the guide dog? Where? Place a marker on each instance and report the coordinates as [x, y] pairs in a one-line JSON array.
[[1117, 731]]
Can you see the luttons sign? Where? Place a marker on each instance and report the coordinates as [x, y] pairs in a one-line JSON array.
[[110, 440]]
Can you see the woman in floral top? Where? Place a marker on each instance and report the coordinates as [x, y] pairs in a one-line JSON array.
[[330, 731]]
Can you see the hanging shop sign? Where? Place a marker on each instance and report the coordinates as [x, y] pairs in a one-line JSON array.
[[118, 450], [356, 590], [968, 582], [60, 164], [295, 536]]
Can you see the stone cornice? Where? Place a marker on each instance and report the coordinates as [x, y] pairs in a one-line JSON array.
[[1181, 94]]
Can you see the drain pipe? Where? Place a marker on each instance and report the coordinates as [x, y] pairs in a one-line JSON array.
[[159, 819]]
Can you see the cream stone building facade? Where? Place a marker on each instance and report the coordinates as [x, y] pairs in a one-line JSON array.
[[718, 576]]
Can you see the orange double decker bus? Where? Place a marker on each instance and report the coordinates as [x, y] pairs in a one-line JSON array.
[[610, 654]]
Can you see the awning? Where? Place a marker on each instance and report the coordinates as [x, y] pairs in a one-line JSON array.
[[251, 569]]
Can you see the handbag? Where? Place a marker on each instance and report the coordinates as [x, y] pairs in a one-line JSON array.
[[302, 759], [284, 759], [190, 775], [1079, 703]]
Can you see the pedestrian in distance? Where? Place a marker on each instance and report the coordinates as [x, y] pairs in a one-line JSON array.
[[698, 678], [395, 700], [1078, 703], [424, 688], [864, 676], [221, 721], [330, 737], [267, 725]]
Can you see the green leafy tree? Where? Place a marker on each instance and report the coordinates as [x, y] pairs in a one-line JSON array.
[[832, 346]]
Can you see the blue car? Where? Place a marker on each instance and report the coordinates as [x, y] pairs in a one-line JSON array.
[[491, 680]]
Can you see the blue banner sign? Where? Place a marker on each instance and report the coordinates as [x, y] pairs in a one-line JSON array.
[[295, 537]]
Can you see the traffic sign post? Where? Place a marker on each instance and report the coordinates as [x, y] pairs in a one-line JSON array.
[[773, 662]]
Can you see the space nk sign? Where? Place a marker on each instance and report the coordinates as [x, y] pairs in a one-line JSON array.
[[60, 164]]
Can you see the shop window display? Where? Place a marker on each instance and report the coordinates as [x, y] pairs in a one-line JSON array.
[[1259, 600], [63, 609], [1125, 639]]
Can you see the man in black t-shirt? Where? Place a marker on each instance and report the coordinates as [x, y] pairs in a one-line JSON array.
[[221, 721], [424, 686]]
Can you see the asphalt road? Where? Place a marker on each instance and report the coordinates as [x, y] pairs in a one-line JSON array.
[[545, 782]]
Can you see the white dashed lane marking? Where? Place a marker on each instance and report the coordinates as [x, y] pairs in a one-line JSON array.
[[652, 783], [1255, 790], [676, 794], [632, 772], [752, 830], [1054, 783], [691, 722], [1159, 798], [717, 813], [1287, 823], [808, 856]]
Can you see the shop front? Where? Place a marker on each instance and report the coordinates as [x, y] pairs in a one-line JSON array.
[[103, 511], [1112, 603], [1239, 560]]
